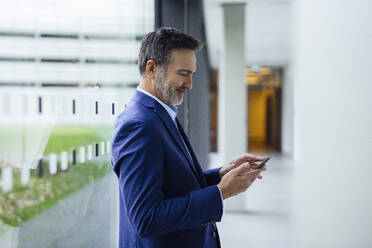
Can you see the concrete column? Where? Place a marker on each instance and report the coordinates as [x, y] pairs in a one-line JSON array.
[[333, 123], [287, 112], [232, 98]]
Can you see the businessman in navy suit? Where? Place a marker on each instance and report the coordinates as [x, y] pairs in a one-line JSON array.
[[166, 199]]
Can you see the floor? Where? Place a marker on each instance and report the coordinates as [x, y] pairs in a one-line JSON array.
[[266, 220]]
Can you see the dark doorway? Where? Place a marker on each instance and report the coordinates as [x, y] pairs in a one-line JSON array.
[[264, 109]]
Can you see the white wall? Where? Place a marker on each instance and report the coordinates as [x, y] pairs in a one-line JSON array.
[[333, 123]]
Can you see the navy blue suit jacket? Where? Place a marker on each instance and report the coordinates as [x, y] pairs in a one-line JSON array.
[[166, 200]]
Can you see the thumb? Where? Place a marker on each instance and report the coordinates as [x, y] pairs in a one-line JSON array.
[[240, 169]]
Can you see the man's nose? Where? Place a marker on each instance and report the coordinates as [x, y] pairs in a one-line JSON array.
[[188, 83]]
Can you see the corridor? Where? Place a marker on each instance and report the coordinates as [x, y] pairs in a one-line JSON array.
[[267, 219]]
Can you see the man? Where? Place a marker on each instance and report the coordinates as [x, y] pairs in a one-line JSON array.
[[166, 200]]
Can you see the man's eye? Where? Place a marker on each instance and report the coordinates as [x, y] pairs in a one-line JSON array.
[[183, 74]]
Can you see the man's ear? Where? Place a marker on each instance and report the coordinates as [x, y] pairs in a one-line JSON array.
[[150, 68]]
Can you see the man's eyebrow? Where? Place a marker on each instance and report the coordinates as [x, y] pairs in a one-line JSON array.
[[184, 70]]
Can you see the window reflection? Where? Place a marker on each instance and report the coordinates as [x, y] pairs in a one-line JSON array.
[[67, 69]]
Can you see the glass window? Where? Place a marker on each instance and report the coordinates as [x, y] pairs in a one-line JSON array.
[[67, 69]]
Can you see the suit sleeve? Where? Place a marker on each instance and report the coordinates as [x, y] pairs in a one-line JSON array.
[[139, 161], [213, 176]]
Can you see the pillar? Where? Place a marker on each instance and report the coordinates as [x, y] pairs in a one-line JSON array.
[[232, 90], [287, 112]]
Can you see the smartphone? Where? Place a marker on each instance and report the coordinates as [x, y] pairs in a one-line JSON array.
[[261, 164]]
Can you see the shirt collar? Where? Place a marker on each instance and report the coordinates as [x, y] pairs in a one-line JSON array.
[[172, 110]]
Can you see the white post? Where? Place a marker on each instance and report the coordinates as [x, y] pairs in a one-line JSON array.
[[102, 148], [82, 154], [52, 163], [333, 123], [6, 103], [25, 176], [108, 147], [90, 152], [7, 178], [64, 160], [25, 104], [232, 93]]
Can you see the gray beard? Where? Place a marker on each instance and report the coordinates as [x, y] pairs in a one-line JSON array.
[[168, 92]]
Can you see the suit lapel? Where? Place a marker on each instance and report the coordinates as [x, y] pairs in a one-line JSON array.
[[171, 128], [192, 154], [176, 136]]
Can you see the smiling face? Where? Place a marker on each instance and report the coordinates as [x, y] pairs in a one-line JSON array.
[[170, 84]]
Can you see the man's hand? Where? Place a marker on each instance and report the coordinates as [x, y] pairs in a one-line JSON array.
[[245, 158], [239, 180]]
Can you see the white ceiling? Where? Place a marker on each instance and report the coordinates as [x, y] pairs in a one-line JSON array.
[[267, 31]]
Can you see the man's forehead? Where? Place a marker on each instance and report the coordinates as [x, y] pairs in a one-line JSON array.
[[184, 59]]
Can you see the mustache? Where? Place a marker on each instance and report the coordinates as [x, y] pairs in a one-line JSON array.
[[182, 89]]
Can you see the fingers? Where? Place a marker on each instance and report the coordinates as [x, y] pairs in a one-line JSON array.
[[260, 170], [253, 158], [245, 172], [251, 166], [247, 157], [238, 161], [239, 180], [249, 174], [241, 169]]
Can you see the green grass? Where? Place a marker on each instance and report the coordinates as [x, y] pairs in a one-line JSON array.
[[64, 138], [25, 202]]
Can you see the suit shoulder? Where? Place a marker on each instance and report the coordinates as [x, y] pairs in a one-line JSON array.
[[136, 119], [136, 113], [135, 130]]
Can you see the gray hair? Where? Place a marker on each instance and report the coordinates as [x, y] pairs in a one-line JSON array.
[[158, 46]]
